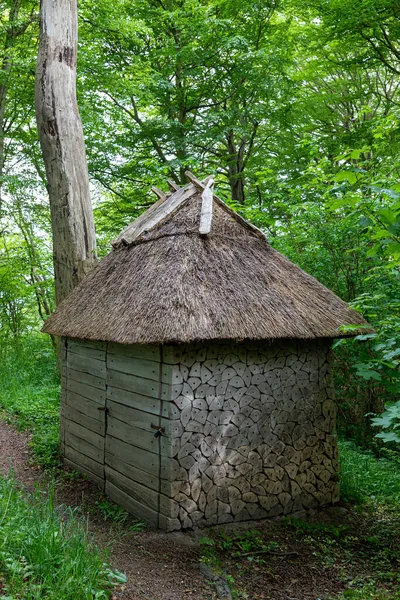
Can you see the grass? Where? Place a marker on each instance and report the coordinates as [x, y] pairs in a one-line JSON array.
[[46, 553], [30, 393], [368, 480]]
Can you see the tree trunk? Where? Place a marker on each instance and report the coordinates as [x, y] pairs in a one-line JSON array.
[[63, 146], [235, 169]]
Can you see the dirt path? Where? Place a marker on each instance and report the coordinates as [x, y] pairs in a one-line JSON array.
[[158, 566]]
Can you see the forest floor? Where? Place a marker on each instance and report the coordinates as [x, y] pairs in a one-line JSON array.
[[326, 554]]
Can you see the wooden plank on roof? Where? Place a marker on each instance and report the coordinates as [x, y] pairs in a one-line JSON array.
[[86, 379], [201, 186], [174, 187], [86, 364], [148, 369], [132, 383], [154, 217], [143, 351], [159, 193], [133, 400], [206, 208]]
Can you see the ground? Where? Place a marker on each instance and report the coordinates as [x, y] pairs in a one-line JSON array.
[[313, 556]]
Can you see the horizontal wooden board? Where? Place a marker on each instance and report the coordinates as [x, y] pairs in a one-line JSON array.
[[77, 347], [86, 406], [69, 463], [85, 447], [86, 364], [115, 463], [135, 436], [132, 383], [148, 369], [84, 462], [132, 455], [88, 343], [86, 391], [147, 352], [86, 379], [96, 425], [133, 400], [137, 509], [93, 438], [135, 490], [134, 417]]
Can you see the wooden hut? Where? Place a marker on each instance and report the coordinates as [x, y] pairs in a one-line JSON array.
[[196, 384]]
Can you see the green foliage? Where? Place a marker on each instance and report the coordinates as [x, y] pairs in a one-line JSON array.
[[366, 479], [46, 552], [389, 421], [308, 527], [29, 393]]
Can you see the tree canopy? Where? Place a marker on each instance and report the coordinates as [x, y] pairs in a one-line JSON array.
[[292, 106]]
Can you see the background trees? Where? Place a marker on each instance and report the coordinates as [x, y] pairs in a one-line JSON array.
[[293, 107]]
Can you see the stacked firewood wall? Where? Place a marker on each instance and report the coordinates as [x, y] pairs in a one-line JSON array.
[[253, 431]]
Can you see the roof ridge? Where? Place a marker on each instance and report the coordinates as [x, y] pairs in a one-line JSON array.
[[166, 206]]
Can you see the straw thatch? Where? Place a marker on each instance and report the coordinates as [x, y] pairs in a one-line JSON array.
[[165, 283]]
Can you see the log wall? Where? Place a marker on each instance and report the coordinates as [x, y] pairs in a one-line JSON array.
[[83, 402], [255, 432], [248, 428]]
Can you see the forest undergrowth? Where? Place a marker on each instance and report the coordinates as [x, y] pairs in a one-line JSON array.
[[357, 547]]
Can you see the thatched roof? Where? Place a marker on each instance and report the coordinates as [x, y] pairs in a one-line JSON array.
[[164, 282]]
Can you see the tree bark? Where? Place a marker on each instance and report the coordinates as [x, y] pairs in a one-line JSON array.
[[63, 146]]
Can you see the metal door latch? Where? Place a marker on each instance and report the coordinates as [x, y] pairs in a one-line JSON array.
[[159, 432]]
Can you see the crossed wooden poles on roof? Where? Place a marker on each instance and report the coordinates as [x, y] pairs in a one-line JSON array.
[[206, 187]]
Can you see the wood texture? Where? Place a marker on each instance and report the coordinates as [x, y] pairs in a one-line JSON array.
[[136, 491], [132, 383], [97, 425], [88, 437], [153, 218], [86, 379], [82, 446], [143, 351], [206, 209], [136, 508], [148, 369], [135, 436], [63, 147], [135, 418], [133, 400], [132, 455], [84, 349], [88, 407], [86, 463], [86, 364], [90, 475]]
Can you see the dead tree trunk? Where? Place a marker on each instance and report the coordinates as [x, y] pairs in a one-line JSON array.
[[63, 146]]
